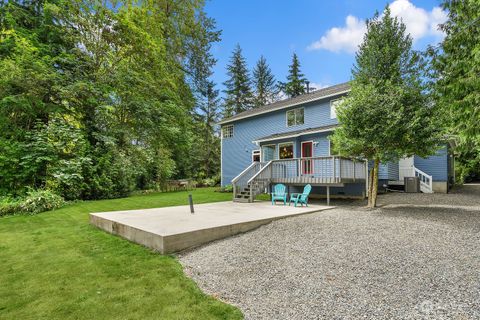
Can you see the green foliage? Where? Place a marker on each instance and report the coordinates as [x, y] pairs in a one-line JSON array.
[[205, 153], [239, 96], [64, 268], [34, 202], [387, 114], [456, 82], [97, 98], [264, 82], [296, 80]]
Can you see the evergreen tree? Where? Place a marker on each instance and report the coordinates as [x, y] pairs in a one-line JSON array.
[[456, 70], [296, 80], [264, 83], [207, 160], [238, 91], [386, 116]]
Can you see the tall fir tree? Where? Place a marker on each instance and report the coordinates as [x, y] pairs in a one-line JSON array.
[[296, 81], [238, 90], [207, 160], [386, 116], [265, 85], [456, 82]]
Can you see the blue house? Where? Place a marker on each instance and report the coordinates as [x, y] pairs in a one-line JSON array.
[[288, 142]]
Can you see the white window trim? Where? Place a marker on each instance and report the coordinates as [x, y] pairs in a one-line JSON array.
[[269, 145], [285, 144], [223, 130], [259, 153], [294, 125], [333, 115]]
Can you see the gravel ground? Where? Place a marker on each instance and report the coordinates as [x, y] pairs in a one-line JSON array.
[[467, 195], [398, 262]]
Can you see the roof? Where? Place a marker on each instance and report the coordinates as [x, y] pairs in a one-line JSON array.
[[282, 104], [297, 133]]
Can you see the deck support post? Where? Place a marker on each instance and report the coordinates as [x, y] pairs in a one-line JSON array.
[[354, 170], [328, 195], [366, 177]]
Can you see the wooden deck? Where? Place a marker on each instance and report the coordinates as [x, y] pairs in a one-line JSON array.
[[330, 171]]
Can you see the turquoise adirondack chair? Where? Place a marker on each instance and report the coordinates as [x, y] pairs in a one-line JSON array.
[[301, 198], [279, 193]]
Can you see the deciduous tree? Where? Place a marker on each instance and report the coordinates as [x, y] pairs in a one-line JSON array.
[[387, 115]]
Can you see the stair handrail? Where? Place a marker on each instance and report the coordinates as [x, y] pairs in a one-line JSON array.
[[251, 169], [259, 172], [249, 182], [244, 171], [424, 176]]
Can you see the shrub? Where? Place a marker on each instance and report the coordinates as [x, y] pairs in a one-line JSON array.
[[34, 202], [210, 182], [227, 188]]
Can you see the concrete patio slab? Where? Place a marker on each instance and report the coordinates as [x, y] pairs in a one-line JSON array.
[[172, 229]]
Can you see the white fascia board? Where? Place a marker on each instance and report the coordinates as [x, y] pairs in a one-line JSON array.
[[257, 142]]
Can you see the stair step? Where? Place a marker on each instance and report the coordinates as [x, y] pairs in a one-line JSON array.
[[244, 200]]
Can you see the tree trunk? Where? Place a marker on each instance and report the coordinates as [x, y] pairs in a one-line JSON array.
[[370, 186], [374, 188]]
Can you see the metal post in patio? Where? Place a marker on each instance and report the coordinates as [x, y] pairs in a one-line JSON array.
[[328, 195]]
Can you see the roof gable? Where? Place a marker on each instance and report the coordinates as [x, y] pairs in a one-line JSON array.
[[302, 99]]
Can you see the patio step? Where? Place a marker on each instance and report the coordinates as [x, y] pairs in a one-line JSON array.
[[244, 200]]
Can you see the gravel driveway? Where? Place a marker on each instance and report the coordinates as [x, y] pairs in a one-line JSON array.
[[403, 262]]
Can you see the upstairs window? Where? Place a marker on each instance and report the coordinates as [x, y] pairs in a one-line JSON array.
[[227, 131], [333, 108], [295, 117]]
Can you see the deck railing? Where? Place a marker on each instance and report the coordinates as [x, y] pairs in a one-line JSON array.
[[426, 182], [332, 169], [314, 170], [241, 181]]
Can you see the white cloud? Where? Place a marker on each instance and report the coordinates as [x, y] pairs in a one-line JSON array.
[[419, 23], [317, 85], [346, 38]]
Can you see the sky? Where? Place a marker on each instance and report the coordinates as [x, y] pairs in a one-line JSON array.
[[324, 34]]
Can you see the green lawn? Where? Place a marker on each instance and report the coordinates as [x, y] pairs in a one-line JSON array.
[[55, 265]]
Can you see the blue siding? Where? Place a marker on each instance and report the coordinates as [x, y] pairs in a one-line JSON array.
[[393, 172], [436, 165], [382, 171], [237, 151], [386, 171]]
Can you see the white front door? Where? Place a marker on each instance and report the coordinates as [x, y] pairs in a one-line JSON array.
[[405, 168]]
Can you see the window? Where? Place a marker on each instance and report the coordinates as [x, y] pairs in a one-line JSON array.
[[256, 156], [285, 150], [268, 152], [295, 117], [333, 108], [227, 131]]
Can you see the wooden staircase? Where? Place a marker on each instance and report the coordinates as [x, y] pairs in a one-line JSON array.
[[248, 193]]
